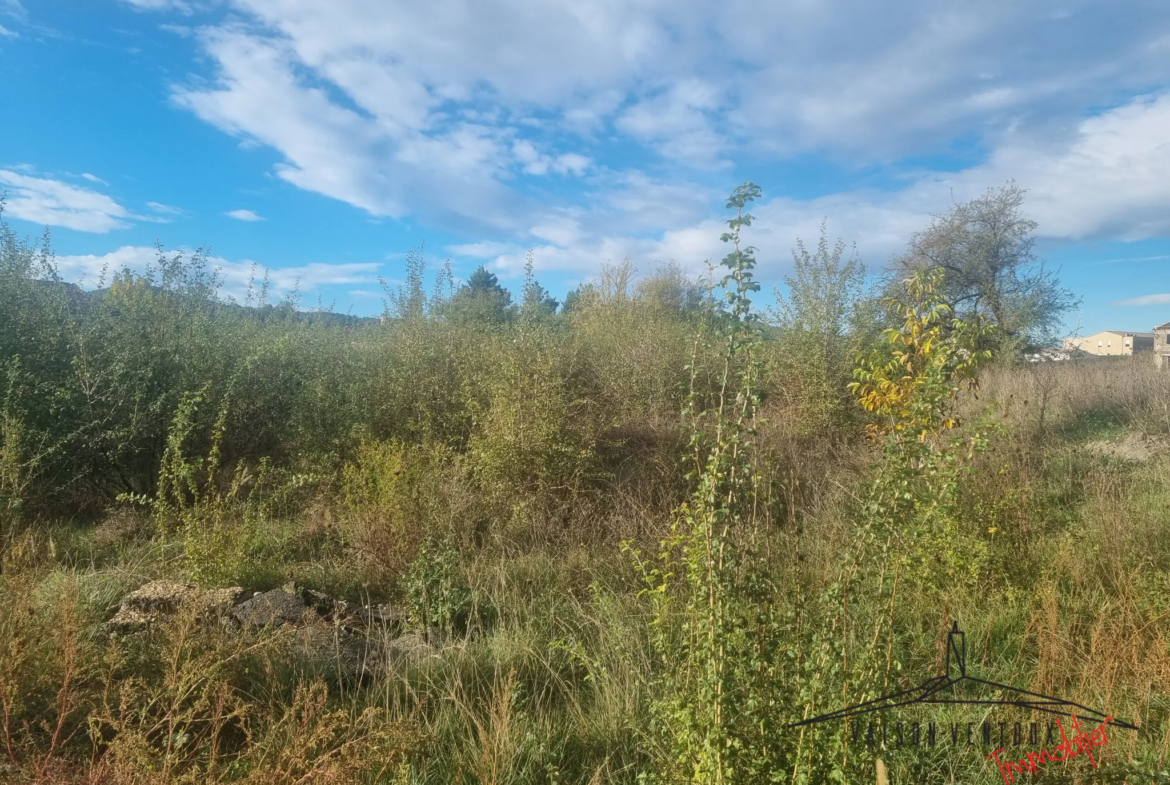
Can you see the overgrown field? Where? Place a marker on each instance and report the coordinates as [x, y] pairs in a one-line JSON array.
[[643, 534]]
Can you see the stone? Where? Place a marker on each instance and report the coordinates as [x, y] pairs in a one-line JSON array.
[[271, 609], [327, 607], [353, 617], [331, 649], [128, 620], [159, 596], [408, 646], [157, 600], [218, 599], [320, 600], [382, 617]]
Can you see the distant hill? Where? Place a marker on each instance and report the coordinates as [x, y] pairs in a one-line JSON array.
[[305, 317], [81, 297]]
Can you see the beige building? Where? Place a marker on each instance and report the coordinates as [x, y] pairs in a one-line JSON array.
[[1110, 343], [1162, 346]]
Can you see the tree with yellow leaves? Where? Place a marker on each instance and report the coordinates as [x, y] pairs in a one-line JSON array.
[[912, 379], [910, 383]]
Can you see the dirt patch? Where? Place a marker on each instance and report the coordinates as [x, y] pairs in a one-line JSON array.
[[1131, 447]]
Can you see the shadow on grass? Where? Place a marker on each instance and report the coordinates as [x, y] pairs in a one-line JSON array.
[[1097, 423]]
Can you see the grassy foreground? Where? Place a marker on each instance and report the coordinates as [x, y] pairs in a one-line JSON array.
[[519, 482]]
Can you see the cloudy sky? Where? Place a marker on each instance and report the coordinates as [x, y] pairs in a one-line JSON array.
[[324, 140]]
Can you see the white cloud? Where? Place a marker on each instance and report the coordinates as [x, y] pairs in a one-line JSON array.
[[1148, 299], [243, 215], [440, 110], [483, 250], [307, 278], [634, 202], [690, 247], [525, 52], [379, 164], [414, 134], [537, 163], [1109, 179], [837, 74], [1112, 178], [54, 203], [571, 163], [679, 121], [561, 230], [160, 5], [4, 31], [1159, 257], [93, 178], [87, 269], [882, 79], [91, 271], [165, 209]]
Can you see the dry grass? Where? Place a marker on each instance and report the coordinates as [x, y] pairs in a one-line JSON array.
[[551, 679]]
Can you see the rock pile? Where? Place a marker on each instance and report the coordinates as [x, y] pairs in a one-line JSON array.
[[330, 633]]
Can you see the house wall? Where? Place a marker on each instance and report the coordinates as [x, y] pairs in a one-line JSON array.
[[1103, 344], [1162, 348]]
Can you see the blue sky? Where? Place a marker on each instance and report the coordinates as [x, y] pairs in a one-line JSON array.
[[324, 140]]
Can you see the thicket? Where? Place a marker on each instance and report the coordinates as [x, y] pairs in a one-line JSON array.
[[654, 525]]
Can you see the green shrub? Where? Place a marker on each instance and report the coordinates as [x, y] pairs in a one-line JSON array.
[[395, 496]]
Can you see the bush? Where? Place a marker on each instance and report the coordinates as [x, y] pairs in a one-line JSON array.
[[395, 496]]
